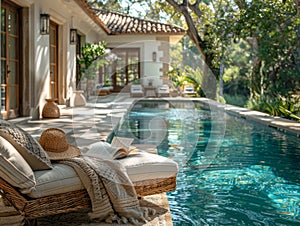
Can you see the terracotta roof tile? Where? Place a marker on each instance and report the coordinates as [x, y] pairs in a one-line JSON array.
[[118, 23]]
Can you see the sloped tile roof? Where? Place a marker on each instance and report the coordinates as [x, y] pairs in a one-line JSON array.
[[118, 23]]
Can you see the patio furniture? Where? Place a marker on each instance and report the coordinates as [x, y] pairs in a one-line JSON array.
[[56, 188], [189, 91], [163, 91], [70, 201], [136, 90]]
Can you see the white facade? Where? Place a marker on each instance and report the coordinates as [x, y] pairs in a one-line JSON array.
[[35, 55]]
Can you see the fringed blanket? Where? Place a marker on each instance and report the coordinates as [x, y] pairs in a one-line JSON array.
[[111, 191]]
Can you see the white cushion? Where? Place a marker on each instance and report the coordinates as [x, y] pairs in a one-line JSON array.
[[147, 166], [63, 178], [164, 89], [14, 169], [60, 179], [140, 166], [136, 89]]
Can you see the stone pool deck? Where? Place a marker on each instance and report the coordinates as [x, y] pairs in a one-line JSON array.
[[281, 124]]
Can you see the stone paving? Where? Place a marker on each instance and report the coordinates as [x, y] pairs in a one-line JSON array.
[[83, 125]]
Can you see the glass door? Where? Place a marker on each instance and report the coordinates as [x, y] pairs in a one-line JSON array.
[[10, 61], [53, 60], [126, 68]]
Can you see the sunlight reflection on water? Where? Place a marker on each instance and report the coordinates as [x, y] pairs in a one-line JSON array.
[[253, 179]]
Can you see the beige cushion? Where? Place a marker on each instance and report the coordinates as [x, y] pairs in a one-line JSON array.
[[27, 146], [14, 169], [141, 165], [147, 166], [60, 179], [63, 178]]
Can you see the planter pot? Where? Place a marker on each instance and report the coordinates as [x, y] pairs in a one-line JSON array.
[[51, 110], [77, 99]]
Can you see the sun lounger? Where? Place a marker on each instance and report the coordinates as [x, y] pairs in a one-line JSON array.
[[163, 91], [42, 191], [136, 90], [189, 90], [60, 190]]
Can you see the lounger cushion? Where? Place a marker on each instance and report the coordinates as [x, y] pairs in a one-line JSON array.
[[139, 166], [14, 169], [27, 146], [136, 88], [63, 178], [146, 166], [60, 179]]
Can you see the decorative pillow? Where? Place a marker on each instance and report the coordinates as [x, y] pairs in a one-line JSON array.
[[27, 146], [14, 169]]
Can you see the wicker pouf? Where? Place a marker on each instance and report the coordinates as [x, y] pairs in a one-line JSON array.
[[51, 110]]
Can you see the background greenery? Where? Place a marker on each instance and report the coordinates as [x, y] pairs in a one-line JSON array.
[[251, 47]]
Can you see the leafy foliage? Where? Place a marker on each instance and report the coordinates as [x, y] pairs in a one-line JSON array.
[[287, 107], [257, 42], [91, 59]]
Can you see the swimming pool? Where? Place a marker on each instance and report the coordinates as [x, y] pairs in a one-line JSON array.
[[232, 171]]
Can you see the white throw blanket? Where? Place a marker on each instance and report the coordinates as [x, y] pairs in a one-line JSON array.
[[111, 191]]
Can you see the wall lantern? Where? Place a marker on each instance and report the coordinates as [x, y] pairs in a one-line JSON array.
[[73, 36], [154, 56], [44, 24]]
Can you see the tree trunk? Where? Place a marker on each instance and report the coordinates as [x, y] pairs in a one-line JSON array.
[[209, 82], [255, 85]]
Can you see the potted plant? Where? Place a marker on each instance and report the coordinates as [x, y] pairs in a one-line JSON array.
[[90, 60]]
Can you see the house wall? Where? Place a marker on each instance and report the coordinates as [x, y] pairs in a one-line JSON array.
[[35, 53], [36, 56], [147, 44]]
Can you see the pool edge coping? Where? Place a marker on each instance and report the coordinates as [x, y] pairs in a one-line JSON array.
[[275, 122]]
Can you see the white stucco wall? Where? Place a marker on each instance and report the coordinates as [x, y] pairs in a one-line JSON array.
[[62, 13], [40, 61], [67, 14], [147, 45]]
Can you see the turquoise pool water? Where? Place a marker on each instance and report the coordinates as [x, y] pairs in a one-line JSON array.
[[232, 171]]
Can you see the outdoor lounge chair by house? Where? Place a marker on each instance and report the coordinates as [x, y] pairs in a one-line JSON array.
[[36, 187], [189, 91], [136, 90], [163, 91]]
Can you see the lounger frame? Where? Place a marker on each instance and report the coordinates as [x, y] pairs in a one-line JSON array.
[[32, 208]]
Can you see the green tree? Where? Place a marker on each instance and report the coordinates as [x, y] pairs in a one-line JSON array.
[[91, 59], [269, 29]]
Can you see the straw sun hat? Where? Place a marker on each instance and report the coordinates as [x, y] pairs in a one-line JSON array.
[[54, 141]]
